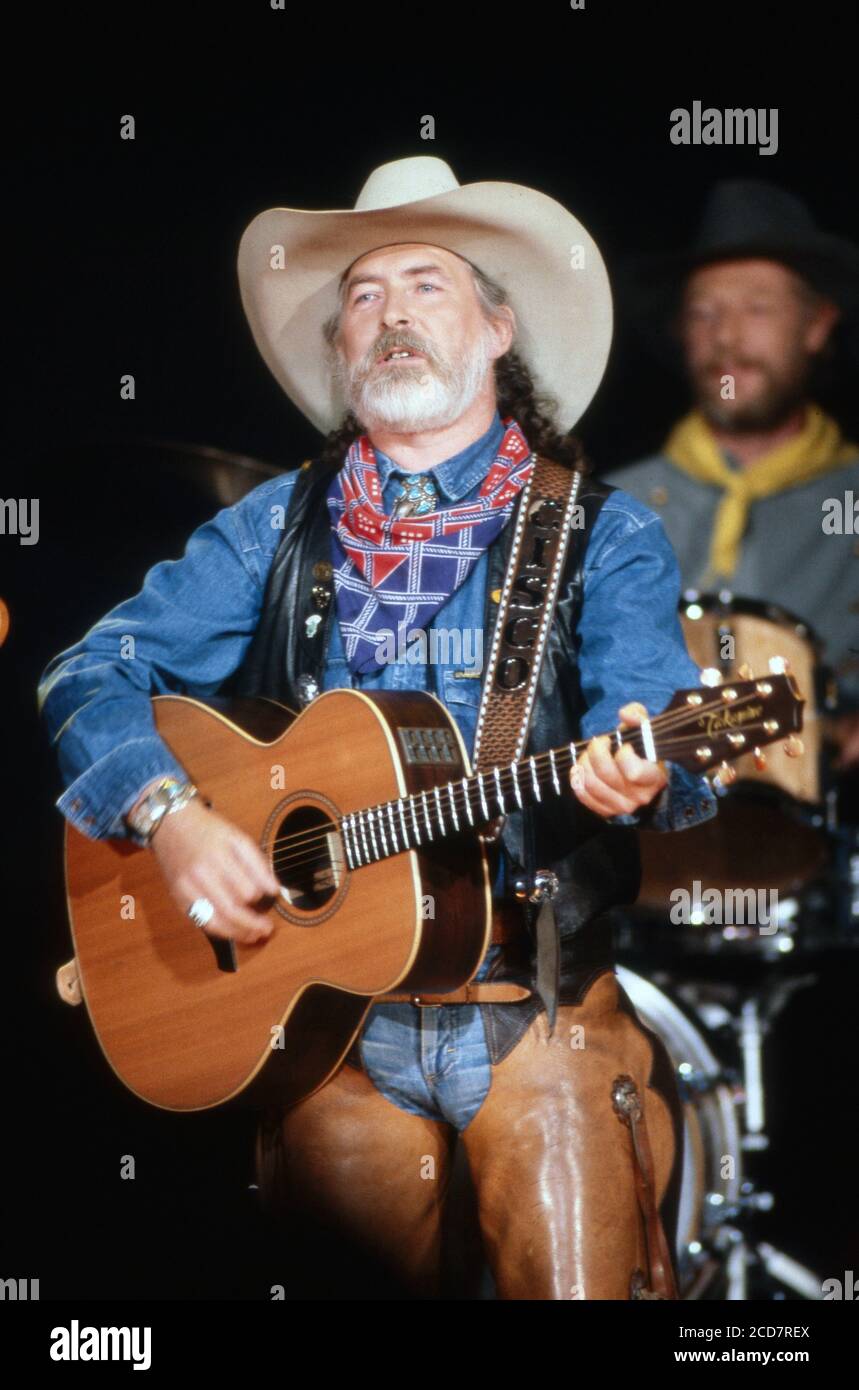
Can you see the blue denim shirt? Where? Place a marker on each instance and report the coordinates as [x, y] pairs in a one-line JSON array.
[[189, 627]]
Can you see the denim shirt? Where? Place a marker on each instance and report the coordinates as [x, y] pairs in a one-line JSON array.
[[188, 629]]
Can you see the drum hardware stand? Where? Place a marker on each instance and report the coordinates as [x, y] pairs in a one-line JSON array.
[[731, 1246], [779, 1267], [751, 1032], [751, 1028], [726, 1219]]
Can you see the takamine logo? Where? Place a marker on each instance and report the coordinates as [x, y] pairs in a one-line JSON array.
[[727, 718], [76, 1343]]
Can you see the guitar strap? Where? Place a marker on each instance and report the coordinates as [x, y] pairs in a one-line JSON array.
[[525, 612], [544, 519]]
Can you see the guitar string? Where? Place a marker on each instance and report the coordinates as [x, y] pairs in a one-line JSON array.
[[294, 860], [664, 721], [317, 834], [280, 860]]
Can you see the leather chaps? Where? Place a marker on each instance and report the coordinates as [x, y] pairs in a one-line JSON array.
[[573, 1161]]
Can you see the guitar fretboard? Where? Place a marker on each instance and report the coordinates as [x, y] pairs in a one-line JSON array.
[[410, 822], [698, 729]]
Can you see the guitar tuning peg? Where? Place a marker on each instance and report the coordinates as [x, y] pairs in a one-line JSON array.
[[760, 759], [794, 747], [711, 676], [778, 665], [745, 672], [727, 774]]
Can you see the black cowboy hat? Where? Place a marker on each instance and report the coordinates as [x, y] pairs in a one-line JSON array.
[[743, 218]]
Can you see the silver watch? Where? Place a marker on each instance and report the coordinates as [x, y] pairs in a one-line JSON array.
[[167, 796]]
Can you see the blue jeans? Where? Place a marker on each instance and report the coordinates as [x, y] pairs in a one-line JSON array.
[[430, 1061]]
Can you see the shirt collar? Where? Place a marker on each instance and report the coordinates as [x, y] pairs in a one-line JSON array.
[[456, 477]]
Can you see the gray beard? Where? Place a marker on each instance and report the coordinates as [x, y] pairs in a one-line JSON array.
[[411, 399]]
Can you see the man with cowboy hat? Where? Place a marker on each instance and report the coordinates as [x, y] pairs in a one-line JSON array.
[[756, 485], [392, 326]]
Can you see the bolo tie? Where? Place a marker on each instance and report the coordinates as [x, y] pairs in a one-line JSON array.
[[418, 494]]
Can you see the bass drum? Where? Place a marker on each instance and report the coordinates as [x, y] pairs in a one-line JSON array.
[[768, 834], [711, 1135]]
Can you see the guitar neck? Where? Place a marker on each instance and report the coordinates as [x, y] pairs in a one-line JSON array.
[[699, 729], [451, 808]]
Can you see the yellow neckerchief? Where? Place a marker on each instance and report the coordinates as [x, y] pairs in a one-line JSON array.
[[692, 447]]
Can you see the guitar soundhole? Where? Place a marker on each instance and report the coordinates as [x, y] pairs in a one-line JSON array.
[[307, 857]]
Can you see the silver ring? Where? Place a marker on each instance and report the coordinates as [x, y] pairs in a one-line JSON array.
[[201, 912]]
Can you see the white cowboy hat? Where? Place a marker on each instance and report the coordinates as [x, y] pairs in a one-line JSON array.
[[536, 249]]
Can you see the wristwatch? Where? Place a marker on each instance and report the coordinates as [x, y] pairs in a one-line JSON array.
[[167, 796]]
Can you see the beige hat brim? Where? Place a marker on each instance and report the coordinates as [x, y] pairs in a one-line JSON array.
[[538, 251]]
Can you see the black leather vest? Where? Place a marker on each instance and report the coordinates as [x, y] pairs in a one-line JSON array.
[[597, 864]]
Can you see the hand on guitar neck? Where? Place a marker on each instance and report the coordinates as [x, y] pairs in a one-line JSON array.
[[613, 784], [203, 855]]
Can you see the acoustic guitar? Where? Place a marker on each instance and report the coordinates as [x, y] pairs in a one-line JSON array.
[[377, 830]]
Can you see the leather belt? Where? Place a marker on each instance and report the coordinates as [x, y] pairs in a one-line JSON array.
[[474, 993], [507, 925]]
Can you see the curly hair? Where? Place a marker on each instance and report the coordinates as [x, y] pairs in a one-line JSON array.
[[516, 393]]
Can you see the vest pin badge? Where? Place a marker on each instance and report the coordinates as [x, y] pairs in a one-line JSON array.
[[307, 689], [311, 624]]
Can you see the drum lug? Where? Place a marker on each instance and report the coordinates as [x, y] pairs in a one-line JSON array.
[[693, 1081]]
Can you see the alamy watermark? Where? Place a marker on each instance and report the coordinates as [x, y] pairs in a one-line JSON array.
[[77, 1343], [443, 646], [840, 517], [713, 907], [19, 516], [19, 1290], [838, 1289], [706, 125]]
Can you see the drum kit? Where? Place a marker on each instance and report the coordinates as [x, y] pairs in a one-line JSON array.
[[716, 980]]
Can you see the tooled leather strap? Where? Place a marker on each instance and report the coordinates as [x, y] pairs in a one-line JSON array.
[[543, 521], [541, 538], [628, 1108]]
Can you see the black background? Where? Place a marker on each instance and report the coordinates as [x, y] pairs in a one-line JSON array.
[[122, 259]]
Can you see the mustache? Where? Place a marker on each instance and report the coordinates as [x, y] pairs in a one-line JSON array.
[[389, 342]]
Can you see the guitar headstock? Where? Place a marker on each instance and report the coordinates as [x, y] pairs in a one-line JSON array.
[[708, 726]]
